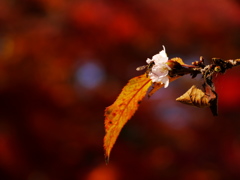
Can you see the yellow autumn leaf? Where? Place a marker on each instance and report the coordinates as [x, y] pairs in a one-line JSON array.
[[123, 109]]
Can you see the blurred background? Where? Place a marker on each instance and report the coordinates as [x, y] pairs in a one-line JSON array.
[[62, 62]]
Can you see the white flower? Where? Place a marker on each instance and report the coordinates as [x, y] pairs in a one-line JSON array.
[[159, 71]]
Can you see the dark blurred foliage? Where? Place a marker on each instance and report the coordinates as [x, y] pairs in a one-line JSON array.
[[63, 61]]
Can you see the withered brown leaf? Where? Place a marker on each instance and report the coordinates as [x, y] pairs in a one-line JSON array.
[[195, 97]]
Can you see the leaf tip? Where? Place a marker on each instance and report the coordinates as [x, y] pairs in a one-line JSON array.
[[107, 152], [106, 159]]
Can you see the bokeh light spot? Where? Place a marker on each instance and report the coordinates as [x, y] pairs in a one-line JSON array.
[[173, 115], [90, 75]]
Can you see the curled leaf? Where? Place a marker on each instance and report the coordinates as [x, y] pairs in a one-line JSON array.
[[123, 109], [195, 97], [212, 96]]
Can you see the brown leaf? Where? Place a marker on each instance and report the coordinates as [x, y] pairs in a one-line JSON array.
[[195, 97], [213, 97]]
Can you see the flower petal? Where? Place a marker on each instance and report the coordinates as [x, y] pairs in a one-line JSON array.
[[163, 52], [149, 60], [165, 81], [159, 71], [161, 57]]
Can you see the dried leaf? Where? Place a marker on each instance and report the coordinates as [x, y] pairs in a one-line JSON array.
[[179, 60], [212, 95], [123, 109], [195, 97]]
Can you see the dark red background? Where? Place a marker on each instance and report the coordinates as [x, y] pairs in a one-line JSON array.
[[63, 61]]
